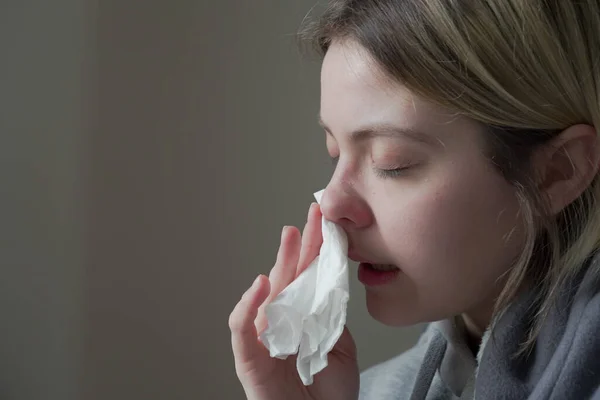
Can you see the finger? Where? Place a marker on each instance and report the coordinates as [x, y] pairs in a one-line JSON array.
[[283, 272], [244, 339], [312, 238]]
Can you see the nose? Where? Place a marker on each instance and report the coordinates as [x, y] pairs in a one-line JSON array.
[[342, 205]]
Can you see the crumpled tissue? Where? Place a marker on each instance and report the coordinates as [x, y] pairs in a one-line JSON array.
[[307, 318]]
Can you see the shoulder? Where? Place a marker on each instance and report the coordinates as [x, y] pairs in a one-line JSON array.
[[585, 305], [584, 315], [569, 343]]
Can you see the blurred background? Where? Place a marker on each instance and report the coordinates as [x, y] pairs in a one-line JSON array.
[[150, 152]]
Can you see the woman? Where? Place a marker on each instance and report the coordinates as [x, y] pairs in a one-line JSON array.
[[465, 141]]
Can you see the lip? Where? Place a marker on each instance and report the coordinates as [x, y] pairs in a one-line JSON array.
[[372, 278], [368, 276]]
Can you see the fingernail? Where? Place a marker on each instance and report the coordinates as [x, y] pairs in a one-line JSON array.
[[283, 231], [255, 283]]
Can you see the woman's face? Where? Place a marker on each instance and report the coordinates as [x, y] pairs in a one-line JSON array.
[[413, 188]]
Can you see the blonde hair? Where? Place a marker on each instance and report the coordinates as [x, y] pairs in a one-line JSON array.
[[525, 69]]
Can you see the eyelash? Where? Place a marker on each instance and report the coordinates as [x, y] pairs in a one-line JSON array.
[[381, 173], [390, 173]]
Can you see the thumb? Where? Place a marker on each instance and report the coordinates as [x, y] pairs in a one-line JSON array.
[[346, 346]]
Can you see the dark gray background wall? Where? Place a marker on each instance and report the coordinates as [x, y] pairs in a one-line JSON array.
[[43, 159], [151, 152]]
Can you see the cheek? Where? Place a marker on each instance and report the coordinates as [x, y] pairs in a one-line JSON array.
[[452, 227]]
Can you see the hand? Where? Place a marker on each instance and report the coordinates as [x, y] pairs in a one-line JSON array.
[[266, 378]]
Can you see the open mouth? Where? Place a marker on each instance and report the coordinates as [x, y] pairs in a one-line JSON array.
[[377, 274], [381, 267]]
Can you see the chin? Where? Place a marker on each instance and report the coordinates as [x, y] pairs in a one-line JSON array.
[[390, 313]]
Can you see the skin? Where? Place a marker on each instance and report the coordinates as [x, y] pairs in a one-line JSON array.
[[448, 220], [441, 213]]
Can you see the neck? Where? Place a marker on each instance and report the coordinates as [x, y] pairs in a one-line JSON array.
[[478, 319], [476, 322], [474, 333]]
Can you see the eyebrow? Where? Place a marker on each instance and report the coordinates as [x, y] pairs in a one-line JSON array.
[[387, 130]]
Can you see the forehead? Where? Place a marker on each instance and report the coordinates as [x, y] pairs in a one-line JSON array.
[[356, 93]]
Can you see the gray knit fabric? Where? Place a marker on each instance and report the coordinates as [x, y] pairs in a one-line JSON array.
[[564, 364]]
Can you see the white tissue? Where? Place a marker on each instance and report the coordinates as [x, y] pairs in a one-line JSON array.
[[309, 315]]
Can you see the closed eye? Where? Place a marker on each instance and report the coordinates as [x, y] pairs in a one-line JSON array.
[[391, 173]]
